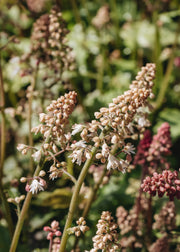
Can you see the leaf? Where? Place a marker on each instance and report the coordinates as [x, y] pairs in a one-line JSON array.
[[59, 198], [4, 239], [39, 221]]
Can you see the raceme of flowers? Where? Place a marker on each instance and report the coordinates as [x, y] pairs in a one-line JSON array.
[[53, 235], [116, 122], [165, 220], [49, 42], [166, 182], [106, 237], [152, 152]]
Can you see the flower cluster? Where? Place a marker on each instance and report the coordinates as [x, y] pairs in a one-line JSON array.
[[49, 43], [166, 220], [128, 221], [143, 149], [54, 233], [159, 149], [54, 122], [106, 237], [16, 200], [36, 5], [152, 152], [167, 183], [80, 228], [116, 123]]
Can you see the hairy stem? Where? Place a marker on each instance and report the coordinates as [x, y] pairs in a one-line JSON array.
[[2, 154], [23, 214], [74, 199]]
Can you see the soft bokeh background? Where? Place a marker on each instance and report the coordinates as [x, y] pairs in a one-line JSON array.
[[111, 40]]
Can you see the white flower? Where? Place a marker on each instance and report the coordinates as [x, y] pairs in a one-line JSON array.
[[77, 128], [105, 149], [114, 139], [123, 166], [79, 144], [77, 156], [142, 121], [21, 147], [112, 162], [130, 127], [37, 156], [129, 149], [36, 186]]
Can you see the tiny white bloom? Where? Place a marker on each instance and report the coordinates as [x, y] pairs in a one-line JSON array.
[[80, 144], [36, 186], [129, 149], [123, 166], [142, 121], [21, 147], [105, 149], [77, 156], [112, 162], [37, 156], [77, 128]]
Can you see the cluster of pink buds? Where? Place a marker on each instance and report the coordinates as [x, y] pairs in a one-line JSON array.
[[53, 230], [168, 182]]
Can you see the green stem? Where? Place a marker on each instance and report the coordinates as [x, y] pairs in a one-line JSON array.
[[93, 195], [23, 214], [165, 82], [2, 154], [101, 72], [74, 199], [76, 12], [30, 100]]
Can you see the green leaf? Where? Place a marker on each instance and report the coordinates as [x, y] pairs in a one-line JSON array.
[[171, 116], [58, 199]]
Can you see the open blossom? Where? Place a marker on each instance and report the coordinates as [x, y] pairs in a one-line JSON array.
[[129, 149], [77, 128], [37, 156], [114, 163], [142, 121], [36, 186], [77, 156]]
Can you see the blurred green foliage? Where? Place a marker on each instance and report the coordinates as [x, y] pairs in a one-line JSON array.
[[107, 59]]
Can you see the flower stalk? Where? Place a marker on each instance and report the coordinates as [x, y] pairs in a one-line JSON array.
[[2, 153], [74, 199], [23, 213]]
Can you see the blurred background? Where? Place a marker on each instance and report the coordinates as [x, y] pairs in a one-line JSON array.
[[108, 42]]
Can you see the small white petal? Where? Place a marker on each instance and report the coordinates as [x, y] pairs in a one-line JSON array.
[[36, 186], [77, 128], [37, 156]]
